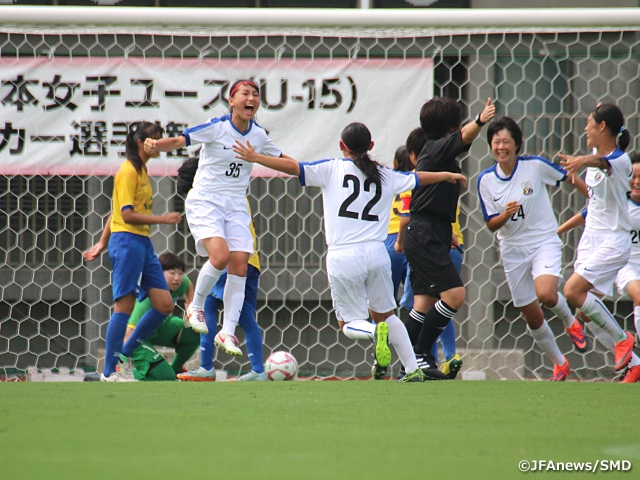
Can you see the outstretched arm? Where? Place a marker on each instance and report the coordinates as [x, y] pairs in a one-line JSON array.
[[574, 164], [284, 163], [95, 251], [471, 130], [427, 178]]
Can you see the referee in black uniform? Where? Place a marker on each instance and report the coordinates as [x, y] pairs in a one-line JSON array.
[[437, 287]]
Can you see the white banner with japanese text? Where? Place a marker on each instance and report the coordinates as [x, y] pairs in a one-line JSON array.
[[71, 116]]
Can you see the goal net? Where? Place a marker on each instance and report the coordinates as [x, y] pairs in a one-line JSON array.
[[74, 81]]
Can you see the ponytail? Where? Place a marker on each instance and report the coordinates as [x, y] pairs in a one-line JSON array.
[[357, 138], [142, 131]]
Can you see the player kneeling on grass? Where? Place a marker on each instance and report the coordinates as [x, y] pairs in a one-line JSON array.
[[515, 204], [148, 363], [357, 194], [628, 278]]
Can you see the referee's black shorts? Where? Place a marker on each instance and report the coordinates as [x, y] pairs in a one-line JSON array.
[[427, 244]]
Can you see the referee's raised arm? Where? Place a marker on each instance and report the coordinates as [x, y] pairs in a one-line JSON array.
[[472, 129]]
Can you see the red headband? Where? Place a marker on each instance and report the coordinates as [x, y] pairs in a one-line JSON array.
[[245, 82]]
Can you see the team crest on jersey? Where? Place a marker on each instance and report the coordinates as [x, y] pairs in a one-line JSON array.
[[598, 176], [527, 189]]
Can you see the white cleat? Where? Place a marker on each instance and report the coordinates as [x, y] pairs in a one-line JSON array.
[[228, 343], [196, 319], [125, 369], [253, 377], [116, 377], [198, 375]]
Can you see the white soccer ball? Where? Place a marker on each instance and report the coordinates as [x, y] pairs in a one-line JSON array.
[[281, 366]]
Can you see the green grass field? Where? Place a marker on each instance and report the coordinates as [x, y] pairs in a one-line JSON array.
[[312, 430]]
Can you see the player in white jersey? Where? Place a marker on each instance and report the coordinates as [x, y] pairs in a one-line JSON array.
[[216, 208], [357, 194], [628, 278], [515, 204], [605, 246]]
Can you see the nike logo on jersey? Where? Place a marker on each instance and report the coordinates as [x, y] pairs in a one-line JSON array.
[[226, 148], [548, 266], [496, 199]]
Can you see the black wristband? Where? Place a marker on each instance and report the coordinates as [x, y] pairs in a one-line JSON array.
[[479, 122]]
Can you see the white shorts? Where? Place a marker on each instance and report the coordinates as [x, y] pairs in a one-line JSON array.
[[219, 216], [524, 263], [629, 273], [360, 279], [600, 257]]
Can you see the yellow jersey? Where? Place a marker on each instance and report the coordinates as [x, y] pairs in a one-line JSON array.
[[405, 208], [133, 190], [254, 259], [398, 210]]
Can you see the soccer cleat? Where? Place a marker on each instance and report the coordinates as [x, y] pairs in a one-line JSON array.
[[196, 319], [125, 369], [402, 373], [451, 367], [631, 375], [622, 351], [381, 341], [561, 372], [198, 374], [378, 372], [228, 343], [253, 377], [416, 376], [578, 337], [428, 365], [116, 377]]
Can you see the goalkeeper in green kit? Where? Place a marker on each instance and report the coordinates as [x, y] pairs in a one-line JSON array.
[[149, 364]]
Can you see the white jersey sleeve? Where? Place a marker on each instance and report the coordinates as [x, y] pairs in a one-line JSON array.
[[318, 173]]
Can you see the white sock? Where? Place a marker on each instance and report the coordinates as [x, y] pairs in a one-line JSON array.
[[233, 299], [603, 337], [207, 278], [636, 318], [635, 361], [547, 343], [600, 315], [561, 310], [359, 330], [399, 338]]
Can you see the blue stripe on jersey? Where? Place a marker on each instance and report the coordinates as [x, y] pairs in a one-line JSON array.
[[617, 153], [584, 212], [546, 162], [484, 209], [304, 164], [212, 121]]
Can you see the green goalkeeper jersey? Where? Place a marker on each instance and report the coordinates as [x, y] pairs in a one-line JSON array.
[[143, 307]]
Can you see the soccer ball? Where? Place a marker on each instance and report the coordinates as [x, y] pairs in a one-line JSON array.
[[281, 366]]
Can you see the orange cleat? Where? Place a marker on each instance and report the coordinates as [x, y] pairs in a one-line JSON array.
[[622, 352], [631, 375], [561, 372], [576, 332]]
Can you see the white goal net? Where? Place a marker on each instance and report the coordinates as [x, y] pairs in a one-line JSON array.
[[70, 91]]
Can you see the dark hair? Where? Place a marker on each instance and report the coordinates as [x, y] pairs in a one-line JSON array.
[[635, 157], [171, 261], [416, 140], [613, 118], [357, 138], [508, 124], [243, 81], [186, 174], [402, 160], [440, 116], [143, 131]]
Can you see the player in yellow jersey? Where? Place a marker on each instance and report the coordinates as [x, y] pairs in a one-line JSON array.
[[136, 271]]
